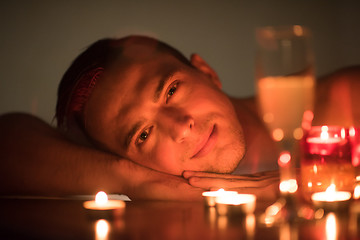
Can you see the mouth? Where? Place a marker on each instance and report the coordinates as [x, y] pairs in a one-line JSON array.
[[207, 144]]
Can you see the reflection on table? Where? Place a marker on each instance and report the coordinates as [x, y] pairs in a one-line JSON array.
[[67, 219]]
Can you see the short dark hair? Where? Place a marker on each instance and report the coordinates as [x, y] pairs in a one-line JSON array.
[[79, 80]]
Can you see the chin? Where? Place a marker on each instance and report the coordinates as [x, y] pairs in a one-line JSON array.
[[225, 166], [231, 159]]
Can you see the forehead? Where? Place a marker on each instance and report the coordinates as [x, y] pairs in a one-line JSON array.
[[127, 79]]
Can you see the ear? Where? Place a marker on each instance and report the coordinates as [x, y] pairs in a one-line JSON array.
[[202, 66]]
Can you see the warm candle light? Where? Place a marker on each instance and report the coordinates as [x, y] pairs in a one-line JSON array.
[[101, 198], [288, 186], [222, 222], [101, 203], [308, 117], [324, 133], [213, 193], [236, 204], [273, 212], [278, 134], [210, 196], [357, 192], [250, 224], [326, 159], [288, 231], [331, 227], [331, 195], [102, 228], [284, 159], [354, 134], [331, 199], [237, 199]]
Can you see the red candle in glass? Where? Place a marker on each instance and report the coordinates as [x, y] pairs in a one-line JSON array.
[[326, 159]]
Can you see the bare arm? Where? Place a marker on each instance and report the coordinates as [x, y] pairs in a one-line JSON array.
[[337, 98], [36, 159]]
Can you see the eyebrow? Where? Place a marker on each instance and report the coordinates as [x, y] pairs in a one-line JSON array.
[[132, 132], [162, 83]]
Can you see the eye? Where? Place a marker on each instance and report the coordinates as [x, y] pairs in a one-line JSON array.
[[143, 136], [172, 90]]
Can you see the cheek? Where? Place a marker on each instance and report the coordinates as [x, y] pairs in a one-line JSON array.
[[166, 156], [208, 100]]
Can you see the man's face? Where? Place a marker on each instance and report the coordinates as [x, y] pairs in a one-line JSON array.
[[164, 114]]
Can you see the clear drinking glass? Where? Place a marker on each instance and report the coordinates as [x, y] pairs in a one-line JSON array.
[[285, 83]]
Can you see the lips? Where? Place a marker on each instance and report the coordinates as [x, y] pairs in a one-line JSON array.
[[207, 144]]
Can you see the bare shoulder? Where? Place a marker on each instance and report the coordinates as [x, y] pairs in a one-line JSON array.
[[19, 119], [23, 125], [249, 103], [342, 78], [337, 95]]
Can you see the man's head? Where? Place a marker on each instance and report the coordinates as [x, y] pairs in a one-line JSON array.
[[145, 101]]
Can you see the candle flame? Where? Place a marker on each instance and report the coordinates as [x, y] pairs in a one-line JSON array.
[[324, 133], [343, 133], [315, 169], [352, 132], [331, 195], [101, 198], [331, 189], [357, 192]]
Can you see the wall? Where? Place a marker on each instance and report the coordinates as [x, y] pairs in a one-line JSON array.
[[39, 39]]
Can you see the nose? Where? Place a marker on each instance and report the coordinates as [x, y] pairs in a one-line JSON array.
[[178, 125]]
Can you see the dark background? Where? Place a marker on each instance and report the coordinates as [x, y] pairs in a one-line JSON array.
[[39, 39]]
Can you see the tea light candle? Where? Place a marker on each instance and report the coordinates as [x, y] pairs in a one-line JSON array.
[[238, 204], [331, 199], [210, 196], [103, 207], [103, 203]]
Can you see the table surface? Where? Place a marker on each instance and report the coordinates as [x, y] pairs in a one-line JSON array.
[[67, 219]]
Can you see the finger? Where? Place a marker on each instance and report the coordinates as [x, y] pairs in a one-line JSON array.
[[188, 174], [208, 183], [264, 173], [256, 176]]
